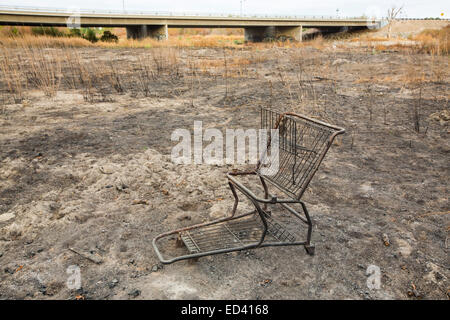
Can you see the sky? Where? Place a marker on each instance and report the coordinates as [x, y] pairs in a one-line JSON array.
[[351, 8]]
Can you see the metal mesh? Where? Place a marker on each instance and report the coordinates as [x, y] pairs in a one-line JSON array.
[[234, 233], [303, 143]]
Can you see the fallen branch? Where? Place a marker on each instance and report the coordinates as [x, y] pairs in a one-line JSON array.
[[87, 255]]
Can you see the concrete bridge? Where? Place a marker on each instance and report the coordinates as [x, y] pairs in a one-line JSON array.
[[155, 25]]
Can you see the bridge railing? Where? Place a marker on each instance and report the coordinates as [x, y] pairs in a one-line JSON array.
[[72, 10]]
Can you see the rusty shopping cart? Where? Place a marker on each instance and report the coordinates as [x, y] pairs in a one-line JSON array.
[[297, 150]]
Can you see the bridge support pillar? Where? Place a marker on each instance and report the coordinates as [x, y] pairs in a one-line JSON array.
[[159, 32], [259, 34]]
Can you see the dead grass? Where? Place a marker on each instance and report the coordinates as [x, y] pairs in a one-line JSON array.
[[381, 47], [434, 41], [23, 41], [431, 41], [180, 42], [48, 63], [28, 40], [49, 69], [12, 76]]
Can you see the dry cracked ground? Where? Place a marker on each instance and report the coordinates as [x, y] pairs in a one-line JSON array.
[[90, 182]]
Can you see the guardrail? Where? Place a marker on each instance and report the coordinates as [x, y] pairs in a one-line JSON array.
[[167, 13]]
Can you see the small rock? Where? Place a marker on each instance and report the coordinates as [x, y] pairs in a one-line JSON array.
[[107, 169], [218, 210], [122, 187], [7, 216], [442, 116], [54, 207], [385, 239], [134, 293], [30, 254], [81, 291], [43, 289], [1, 254], [113, 283], [413, 292], [155, 268], [9, 270], [404, 247]]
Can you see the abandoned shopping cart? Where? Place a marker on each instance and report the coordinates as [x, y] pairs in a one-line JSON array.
[[301, 146]]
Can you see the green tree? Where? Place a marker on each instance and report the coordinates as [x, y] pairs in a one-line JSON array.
[[90, 35], [75, 33]]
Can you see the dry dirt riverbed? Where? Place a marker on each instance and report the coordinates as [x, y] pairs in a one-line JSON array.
[[96, 176]]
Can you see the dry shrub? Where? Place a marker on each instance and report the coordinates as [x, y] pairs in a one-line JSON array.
[[413, 74], [48, 69], [36, 66], [166, 61], [210, 66], [430, 41], [236, 66], [434, 41], [45, 72], [145, 75], [12, 76]]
